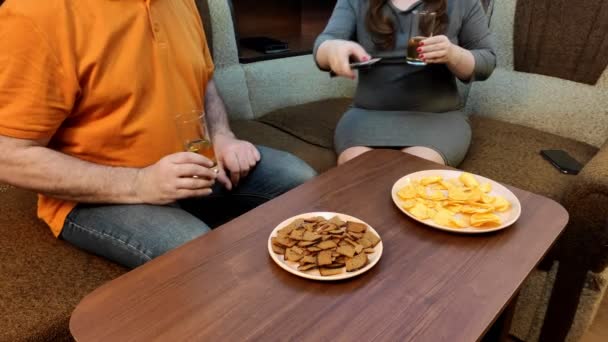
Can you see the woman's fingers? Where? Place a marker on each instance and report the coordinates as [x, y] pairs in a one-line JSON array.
[[340, 63], [359, 53], [434, 55], [434, 40], [435, 49]]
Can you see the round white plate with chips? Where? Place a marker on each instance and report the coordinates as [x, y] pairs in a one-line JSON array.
[[507, 217], [292, 267]]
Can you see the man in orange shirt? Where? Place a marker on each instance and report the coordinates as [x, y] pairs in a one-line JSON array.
[[89, 91]]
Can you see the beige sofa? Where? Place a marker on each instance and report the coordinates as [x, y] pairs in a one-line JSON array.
[[289, 104]]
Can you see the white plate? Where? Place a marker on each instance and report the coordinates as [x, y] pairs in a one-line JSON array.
[[292, 267], [508, 217]]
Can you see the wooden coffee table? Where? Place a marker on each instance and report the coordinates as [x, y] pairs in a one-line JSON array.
[[428, 286]]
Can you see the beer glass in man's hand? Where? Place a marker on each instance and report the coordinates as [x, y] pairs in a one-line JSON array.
[[192, 130]]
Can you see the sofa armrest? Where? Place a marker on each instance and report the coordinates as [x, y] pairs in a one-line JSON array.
[[586, 199]]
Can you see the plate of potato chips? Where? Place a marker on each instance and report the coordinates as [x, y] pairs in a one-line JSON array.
[[456, 201], [325, 246]]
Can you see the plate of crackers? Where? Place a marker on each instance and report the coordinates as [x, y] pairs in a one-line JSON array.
[[325, 246], [456, 201]]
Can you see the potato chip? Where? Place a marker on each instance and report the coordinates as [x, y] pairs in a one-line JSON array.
[[475, 209], [436, 196], [478, 220], [437, 186], [443, 217], [468, 180], [458, 223], [458, 194], [446, 185], [408, 204], [408, 192], [501, 204], [486, 187], [456, 182], [487, 198], [421, 191], [455, 208], [431, 180], [420, 211], [431, 212], [475, 195], [430, 203]]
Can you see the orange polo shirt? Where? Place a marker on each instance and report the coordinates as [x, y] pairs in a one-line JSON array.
[[101, 79]]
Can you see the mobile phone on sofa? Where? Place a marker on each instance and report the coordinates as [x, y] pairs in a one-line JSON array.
[[562, 161]]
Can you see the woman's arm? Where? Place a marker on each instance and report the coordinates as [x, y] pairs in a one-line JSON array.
[[475, 59], [475, 37], [439, 50], [334, 47]]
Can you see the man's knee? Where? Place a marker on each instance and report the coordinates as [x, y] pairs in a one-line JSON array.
[[131, 234]]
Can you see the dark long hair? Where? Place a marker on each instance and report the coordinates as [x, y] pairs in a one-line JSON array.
[[382, 27]]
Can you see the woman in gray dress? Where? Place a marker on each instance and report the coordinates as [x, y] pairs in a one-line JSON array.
[[396, 105]]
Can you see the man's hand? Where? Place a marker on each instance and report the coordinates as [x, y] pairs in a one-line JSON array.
[[236, 156], [176, 176]]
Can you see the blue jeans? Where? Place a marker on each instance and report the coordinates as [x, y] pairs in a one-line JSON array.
[[131, 235]]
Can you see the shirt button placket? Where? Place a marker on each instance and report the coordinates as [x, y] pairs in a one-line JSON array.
[[154, 25]]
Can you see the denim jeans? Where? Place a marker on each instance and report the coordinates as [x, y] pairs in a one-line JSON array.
[[134, 234]]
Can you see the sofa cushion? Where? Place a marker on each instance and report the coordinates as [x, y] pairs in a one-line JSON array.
[[510, 153], [42, 279], [317, 157], [313, 122]]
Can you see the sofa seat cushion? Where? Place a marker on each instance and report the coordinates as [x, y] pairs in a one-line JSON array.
[[42, 279], [510, 153], [259, 133], [313, 122]]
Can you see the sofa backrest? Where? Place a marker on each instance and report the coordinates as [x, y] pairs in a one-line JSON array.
[[575, 110], [254, 89]]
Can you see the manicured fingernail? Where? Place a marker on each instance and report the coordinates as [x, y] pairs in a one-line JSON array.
[[419, 49], [421, 56], [421, 44], [365, 59], [424, 60]]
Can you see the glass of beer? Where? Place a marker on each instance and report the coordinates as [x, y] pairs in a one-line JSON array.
[[422, 26], [193, 134]]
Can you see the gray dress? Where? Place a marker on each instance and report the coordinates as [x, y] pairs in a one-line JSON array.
[[399, 105]]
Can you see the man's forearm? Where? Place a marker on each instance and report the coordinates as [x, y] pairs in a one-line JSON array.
[[215, 112], [58, 175]]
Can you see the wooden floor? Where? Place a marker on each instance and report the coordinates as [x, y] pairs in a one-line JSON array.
[[599, 329]]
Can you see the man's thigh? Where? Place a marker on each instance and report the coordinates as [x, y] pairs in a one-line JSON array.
[[276, 173], [130, 235]]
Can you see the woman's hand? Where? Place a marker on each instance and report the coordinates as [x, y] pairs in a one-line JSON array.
[[337, 54], [438, 50]]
